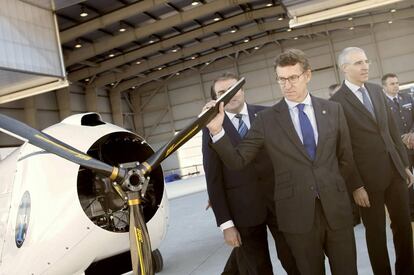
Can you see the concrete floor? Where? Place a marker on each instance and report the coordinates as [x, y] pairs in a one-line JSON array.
[[194, 245]]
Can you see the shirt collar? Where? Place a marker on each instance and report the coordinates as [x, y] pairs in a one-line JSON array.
[[391, 97], [243, 112], [354, 88], [293, 104]]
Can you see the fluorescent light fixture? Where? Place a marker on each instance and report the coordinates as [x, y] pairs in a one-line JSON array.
[[339, 11]]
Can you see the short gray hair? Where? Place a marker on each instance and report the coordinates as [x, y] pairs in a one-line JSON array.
[[342, 58]]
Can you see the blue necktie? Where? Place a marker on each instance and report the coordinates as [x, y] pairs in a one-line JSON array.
[[307, 132], [242, 129], [365, 100]]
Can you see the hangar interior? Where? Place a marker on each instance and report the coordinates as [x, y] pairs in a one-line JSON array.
[[148, 65]]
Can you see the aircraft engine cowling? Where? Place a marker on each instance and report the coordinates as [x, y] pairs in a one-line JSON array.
[[75, 216]]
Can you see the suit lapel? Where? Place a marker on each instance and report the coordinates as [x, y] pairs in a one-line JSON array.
[[322, 124], [354, 101], [285, 121], [376, 102], [252, 113]]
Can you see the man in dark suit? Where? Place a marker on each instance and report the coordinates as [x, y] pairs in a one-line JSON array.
[[381, 175], [308, 143], [242, 200], [402, 109]]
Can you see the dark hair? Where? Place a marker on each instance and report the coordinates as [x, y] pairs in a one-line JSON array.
[[386, 76], [225, 76], [291, 57]]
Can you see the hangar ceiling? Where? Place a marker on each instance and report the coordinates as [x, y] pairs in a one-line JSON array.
[[123, 44]]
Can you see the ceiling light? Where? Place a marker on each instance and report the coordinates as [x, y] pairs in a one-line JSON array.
[[87, 79], [111, 55], [151, 41], [83, 12], [193, 57], [138, 62], [233, 30], [296, 38], [177, 73], [393, 10], [390, 22], [350, 18], [289, 30], [216, 19], [133, 87], [122, 29], [78, 45], [351, 28], [257, 47], [280, 18], [207, 63], [175, 50], [246, 40], [159, 68], [269, 5], [113, 83], [195, 3]]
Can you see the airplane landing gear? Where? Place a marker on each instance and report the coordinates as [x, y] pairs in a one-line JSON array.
[[157, 261]]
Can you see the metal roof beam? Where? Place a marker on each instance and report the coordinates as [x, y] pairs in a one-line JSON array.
[[145, 31], [369, 19], [173, 41], [108, 19]]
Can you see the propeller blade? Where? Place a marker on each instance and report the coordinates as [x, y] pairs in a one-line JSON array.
[[140, 244], [188, 132], [59, 148]]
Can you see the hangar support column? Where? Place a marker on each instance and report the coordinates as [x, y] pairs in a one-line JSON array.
[[30, 111], [116, 106], [91, 100], [138, 120], [64, 105]]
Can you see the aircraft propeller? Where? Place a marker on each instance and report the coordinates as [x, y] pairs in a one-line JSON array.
[[136, 177]]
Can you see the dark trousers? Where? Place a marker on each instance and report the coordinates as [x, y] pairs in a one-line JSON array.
[[284, 253], [244, 260], [395, 197], [252, 256], [309, 249]]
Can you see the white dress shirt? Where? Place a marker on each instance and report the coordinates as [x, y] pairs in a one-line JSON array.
[[354, 89]]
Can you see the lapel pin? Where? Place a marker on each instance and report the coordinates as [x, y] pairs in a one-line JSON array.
[[323, 112]]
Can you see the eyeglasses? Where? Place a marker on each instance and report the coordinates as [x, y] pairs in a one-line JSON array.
[[362, 62], [292, 79]]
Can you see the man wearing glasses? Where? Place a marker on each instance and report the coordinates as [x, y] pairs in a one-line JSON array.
[[381, 176], [308, 142]]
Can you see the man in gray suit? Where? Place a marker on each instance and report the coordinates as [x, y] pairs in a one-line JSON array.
[[382, 172], [308, 143]]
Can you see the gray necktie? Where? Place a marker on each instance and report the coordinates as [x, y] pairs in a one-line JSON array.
[[366, 101]]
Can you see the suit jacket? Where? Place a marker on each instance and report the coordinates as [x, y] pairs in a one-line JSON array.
[[237, 195], [376, 143], [297, 177], [403, 113]]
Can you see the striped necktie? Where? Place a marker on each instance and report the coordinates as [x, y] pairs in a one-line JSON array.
[[242, 129]]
